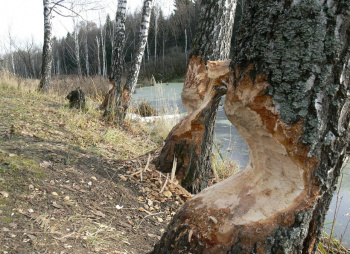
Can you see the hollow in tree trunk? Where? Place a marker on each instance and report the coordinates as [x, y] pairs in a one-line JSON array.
[[288, 97]]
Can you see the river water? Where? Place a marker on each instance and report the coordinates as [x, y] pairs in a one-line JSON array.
[[232, 145]]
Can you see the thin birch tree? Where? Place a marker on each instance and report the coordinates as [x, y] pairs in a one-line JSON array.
[[47, 48], [117, 67], [133, 74]]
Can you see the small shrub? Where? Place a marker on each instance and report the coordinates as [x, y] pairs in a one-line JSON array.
[[145, 109]]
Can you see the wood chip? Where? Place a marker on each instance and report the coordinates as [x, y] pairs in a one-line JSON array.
[[123, 178], [167, 193]]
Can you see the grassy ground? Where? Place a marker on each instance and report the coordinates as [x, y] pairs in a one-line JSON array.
[[71, 183]]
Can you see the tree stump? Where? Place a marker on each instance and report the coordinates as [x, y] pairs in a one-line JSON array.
[[76, 99]]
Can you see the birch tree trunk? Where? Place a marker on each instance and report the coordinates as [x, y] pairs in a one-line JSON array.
[[44, 84], [148, 53], [87, 52], [186, 45], [112, 98], [155, 35], [131, 80], [191, 141], [103, 48], [77, 49], [98, 56], [288, 97], [58, 63]]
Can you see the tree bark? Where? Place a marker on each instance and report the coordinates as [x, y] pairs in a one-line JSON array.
[[117, 63], [98, 56], [47, 49], [77, 49], [156, 13], [288, 97], [191, 141], [87, 52], [103, 48], [131, 80]]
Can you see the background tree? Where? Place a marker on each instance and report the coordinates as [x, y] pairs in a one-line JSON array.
[[288, 98], [47, 48], [190, 141], [118, 61], [126, 93], [58, 7]]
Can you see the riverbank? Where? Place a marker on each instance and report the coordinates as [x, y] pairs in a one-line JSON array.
[[72, 183]]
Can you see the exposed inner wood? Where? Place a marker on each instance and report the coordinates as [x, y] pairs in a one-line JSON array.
[[203, 88], [274, 187]]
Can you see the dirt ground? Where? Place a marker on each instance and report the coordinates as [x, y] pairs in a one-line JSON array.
[[90, 205], [59, 197]]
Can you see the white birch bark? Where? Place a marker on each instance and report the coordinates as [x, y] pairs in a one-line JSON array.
[[98, 56], [186, 45], [12, 61], [111, 100], [137, 57], [103, 44], [47, 49], [87, 52], [155, 36], [77, 48], [119, 41]]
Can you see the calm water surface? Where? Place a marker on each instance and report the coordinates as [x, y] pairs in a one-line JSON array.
[[231, 144]]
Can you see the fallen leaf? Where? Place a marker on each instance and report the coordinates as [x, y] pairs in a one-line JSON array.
[[161, 199], [46, 164], [99, 213], [160, 219], [54, 204], [123, 178], [93, 178], [4, 193], [155, 236], [31, 237], [167, 193], [54, 193]]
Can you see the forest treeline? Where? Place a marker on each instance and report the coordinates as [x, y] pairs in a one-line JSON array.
[[87, 50]]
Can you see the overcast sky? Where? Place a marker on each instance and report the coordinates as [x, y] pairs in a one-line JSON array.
[[24, 19]]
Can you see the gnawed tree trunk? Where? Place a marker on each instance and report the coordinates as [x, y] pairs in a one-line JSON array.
[[136, 62], [191, 141], [288, 97], [47, 49], [116, 74]]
